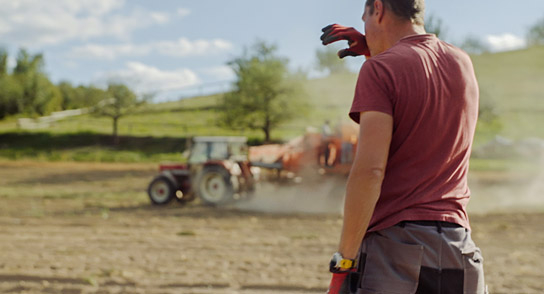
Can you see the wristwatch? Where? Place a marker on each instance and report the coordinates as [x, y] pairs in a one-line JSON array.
[[338, 263]]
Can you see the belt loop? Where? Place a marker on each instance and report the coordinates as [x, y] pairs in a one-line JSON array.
[[439, 227]]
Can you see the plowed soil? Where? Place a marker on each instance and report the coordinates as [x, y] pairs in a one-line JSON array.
[[80, 228]]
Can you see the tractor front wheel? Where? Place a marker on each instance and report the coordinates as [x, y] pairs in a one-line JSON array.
[[214, 185], [161, 190]]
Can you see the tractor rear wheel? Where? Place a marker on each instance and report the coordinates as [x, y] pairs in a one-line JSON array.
[[214, 185], [161, 190]]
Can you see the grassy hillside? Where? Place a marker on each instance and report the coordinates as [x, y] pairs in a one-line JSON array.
[[511, 83]]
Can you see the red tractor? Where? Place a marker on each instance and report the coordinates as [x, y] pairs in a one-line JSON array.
[[217, 171]]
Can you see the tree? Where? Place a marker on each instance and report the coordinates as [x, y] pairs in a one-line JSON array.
[[265, 94], [40, 96], [434, 25], [48, 97], [535, 36], [118, 101], [27, 63], [10, 90], [68, 93], [26, 72], [10, 96], [3, 62], [327, 59], [27, 88], [80, 96], [473, 45]]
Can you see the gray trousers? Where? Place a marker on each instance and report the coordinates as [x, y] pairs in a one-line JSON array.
[[421, 259]]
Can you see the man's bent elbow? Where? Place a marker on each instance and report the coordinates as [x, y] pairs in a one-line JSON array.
[[378, 173], [374, 174]]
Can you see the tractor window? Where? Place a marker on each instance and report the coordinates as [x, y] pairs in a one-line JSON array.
[[219, 150], [204, 151], [198, 153]]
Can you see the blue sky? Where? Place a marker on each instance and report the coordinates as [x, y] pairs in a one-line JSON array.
[[181, 47]]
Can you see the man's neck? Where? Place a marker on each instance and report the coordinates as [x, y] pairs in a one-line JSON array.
[[401, 31]]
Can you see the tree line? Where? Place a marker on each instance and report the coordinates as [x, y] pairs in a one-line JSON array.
[[26, 90]]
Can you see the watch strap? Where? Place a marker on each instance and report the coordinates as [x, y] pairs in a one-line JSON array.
[[338, 262], [346, 264]]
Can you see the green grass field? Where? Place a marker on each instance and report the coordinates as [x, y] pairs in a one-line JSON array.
[[514, 83], [511, 84]]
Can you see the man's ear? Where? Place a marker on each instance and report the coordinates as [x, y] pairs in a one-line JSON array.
[[379, 10]]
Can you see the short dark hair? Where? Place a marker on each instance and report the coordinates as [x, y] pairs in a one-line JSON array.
[[413, 10]]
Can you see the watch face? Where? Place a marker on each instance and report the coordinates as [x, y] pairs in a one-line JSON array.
[[337, 257], [335, 261]]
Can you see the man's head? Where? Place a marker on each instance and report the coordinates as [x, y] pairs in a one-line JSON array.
[[412, 10], [386, 21]]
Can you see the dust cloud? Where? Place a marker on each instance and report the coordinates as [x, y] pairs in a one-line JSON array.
[[510, 191], [315, 196]]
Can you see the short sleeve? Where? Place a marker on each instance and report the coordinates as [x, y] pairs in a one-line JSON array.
[[373, 91]]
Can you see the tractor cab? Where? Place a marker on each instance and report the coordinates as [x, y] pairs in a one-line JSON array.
[[206, 149], [217, 172]]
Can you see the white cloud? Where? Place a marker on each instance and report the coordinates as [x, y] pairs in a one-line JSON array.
[[3, 27], [183, 12], [181, 48], [160, 17], [221, 73], [93, 7], [109, 52], [37, 22], [184, 47], [70, 64], [505, 42], [145, 79]]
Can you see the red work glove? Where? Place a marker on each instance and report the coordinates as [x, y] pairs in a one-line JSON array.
[[356, 41], [340, 283]]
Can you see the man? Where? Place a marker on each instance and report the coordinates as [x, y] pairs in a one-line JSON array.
[[326, 144], [406, 228]]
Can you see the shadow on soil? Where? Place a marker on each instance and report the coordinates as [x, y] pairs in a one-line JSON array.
[[193, 210], [70, 177]]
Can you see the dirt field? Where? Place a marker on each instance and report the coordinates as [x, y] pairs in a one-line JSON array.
[[88, 228]]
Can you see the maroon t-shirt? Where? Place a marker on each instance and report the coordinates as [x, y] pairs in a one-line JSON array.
[[430, 89]]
